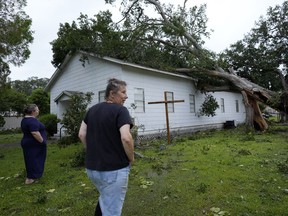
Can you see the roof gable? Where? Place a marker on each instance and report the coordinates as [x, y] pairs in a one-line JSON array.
[[66, 93], [112, 60]]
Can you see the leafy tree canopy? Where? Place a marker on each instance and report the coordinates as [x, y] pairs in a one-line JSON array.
[[138, 38], [15, 36], [93, 35]]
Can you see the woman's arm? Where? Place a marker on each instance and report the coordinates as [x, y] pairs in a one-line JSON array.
[[82, 133], [37, 136], [127, 141]]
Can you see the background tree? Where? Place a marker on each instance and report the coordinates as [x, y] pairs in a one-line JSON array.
[[262, 56], [15, 36], [267, 41], [15, 95], [29, 85], [42, 99], [12, 102]]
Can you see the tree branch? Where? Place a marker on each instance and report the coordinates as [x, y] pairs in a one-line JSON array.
[[171, 25], [242, 84], [128, 11]]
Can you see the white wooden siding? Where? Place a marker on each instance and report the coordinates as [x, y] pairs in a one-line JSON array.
[[154, 118], [91, 78]]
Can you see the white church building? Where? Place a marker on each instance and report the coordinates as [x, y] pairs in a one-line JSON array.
[[144, 85]]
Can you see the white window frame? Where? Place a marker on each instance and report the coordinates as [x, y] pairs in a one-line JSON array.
[[192, 103], [101, 96], [237, 106], [222, 105], [139, 100], [170, 97]]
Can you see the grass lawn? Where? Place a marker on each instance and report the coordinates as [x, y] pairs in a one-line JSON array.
[[229, 172], [10, 138]]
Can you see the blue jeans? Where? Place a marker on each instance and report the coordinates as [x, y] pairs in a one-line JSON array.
[[112, 186]]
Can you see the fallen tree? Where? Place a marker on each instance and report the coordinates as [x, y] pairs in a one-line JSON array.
[[251, 92], [181, 29]]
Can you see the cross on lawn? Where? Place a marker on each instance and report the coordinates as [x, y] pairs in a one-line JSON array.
[[166, 111]]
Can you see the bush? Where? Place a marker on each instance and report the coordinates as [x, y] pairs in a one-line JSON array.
[[65, 141], [283, 166], [78, 159], [50, 121], [209, 106], [75, 113], [11, 131], [2, 121]]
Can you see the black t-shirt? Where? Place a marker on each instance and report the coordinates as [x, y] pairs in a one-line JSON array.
[[104, 150]]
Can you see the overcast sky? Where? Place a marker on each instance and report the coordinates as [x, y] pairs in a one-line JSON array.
[[229, 19]]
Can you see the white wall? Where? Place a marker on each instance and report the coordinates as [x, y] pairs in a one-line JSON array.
[[11, 122], [154, 118]]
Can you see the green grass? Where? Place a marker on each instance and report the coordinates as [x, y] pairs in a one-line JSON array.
[[62, 188], [10, 138], [229, 172]]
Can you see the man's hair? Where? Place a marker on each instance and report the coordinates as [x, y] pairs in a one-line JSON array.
[[113, 85]]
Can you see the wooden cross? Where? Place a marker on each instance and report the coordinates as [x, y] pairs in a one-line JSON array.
[[166, 111]]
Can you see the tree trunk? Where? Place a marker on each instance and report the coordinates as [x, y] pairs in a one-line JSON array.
[[258, 120], [254, 116], [249, 110]]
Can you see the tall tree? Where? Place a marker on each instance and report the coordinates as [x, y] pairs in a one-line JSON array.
[[265, 49], [15, 36], [262, 56]]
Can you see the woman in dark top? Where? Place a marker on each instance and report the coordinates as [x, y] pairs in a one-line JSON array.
[[33, 143], [105, 132]]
